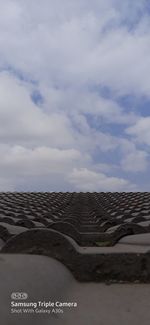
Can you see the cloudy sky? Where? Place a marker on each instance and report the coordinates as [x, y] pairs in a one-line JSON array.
[[74, 95]]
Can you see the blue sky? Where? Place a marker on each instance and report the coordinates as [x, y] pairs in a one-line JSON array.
[[74, 95]]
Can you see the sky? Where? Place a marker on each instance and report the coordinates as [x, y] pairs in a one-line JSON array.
[[75, 95]]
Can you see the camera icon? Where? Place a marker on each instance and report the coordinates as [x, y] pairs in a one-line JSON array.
[[19, 295]]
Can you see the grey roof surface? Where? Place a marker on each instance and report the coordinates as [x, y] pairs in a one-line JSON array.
[[98, 236], [46, 279]]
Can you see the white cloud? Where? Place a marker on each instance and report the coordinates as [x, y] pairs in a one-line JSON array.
[[77, 43], [23, 121], [37, 168], [135, 161], [37, 141], [88, 180], [72, 52], [18, 160], [74, 102], [141, 130], [6, 185]]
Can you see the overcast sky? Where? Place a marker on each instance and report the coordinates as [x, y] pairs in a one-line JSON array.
[[74, 95]]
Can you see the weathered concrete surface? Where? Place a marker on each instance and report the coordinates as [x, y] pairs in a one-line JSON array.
[[14, 230], [99, 264], [1, 243], [140, 239], [42, 278], [46, 279], [115, 304]]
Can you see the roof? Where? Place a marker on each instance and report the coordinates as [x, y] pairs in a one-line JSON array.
[[44, 279], [98, 236]]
